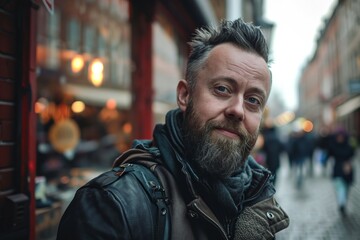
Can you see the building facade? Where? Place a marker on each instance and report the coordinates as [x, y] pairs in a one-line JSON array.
[[78, 81], [17, 121], [329, 87]]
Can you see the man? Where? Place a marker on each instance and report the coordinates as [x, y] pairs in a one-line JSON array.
[[213, 188]]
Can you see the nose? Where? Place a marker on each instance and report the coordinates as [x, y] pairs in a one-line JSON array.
[[235, 109]]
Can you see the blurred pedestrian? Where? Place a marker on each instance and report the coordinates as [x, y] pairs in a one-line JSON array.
[[342, 151], [322, 144], [300, 148], [272, 148]]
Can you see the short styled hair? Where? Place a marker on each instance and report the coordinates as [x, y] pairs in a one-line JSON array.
[[242, 34]]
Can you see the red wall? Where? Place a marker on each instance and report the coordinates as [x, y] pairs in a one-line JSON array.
[[17, 126]]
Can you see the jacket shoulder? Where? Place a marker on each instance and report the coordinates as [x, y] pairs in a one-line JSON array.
[[261, 220], [109, 207]]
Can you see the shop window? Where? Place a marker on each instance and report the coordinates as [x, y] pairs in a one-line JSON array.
[[89, 39], [82, 126], [168, 66], [73, 34], [85, 56], [119, 52]]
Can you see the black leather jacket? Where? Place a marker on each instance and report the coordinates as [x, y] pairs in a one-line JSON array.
[[119, 207]]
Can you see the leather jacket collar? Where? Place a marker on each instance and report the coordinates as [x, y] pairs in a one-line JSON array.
[[168, 145]]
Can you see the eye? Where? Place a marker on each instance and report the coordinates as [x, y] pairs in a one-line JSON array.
[[222, 89], [254, 100], [254, 104]]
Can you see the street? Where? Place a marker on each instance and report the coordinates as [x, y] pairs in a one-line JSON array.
[[313, 209]]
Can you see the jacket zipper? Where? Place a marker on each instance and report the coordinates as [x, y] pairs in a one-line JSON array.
[[212, 221], [228, 227], [258, 191]]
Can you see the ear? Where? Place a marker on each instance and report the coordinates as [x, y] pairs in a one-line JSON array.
[[182, 91]]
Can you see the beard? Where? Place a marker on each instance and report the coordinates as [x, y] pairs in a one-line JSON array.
[[212, 155]]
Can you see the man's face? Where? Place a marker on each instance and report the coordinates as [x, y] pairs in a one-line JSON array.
[[223, 112]]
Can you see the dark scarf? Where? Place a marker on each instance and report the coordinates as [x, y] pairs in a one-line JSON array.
[[224, 196]]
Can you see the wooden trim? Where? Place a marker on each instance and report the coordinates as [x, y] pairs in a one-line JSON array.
[[142, 16]]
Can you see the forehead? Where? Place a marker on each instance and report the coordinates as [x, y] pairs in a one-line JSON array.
[[229, 61]]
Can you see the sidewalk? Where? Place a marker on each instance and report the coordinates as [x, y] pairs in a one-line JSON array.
[[313, 209]]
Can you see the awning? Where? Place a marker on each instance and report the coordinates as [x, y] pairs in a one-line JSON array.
[[99, 96], [348, 107]]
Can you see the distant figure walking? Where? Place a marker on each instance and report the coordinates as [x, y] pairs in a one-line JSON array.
[[300, 148], [322, 145], [342, 151], [272, 149]]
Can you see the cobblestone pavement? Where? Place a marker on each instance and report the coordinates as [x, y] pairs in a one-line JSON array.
[[313, 209]]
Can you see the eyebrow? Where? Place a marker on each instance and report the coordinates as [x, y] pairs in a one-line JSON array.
[[259, 91], [223, 78], [233, 82]]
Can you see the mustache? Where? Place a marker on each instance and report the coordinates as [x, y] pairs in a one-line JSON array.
[[246, 139], [229, 126]]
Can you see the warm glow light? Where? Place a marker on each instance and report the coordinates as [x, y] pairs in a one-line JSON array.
[[40, 105], [97, 66], [285, 118], [77, 64], [111, 104], [96, 72], [78, 106], [307, 126], [127, 128]]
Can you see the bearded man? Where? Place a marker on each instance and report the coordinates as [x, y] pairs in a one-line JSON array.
[[211, 187]]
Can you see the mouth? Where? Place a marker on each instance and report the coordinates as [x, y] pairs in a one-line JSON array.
[[230, 133]]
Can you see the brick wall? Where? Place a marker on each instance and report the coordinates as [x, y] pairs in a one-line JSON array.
[[13, 202], [8, 79]]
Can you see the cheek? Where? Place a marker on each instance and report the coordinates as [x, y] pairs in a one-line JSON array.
[[209, 111], [252, 123], [205, 107], [202, 113]]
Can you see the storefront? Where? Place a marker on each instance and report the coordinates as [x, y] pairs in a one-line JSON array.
[[17, 121], [84, 86], [94, 76], [79, 80]]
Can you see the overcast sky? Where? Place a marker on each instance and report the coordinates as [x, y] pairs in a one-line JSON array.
[[297, 25]]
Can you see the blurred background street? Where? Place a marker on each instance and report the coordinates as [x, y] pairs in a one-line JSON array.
[[313, 209]]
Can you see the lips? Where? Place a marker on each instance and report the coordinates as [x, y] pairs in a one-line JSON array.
[[228, 132]]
